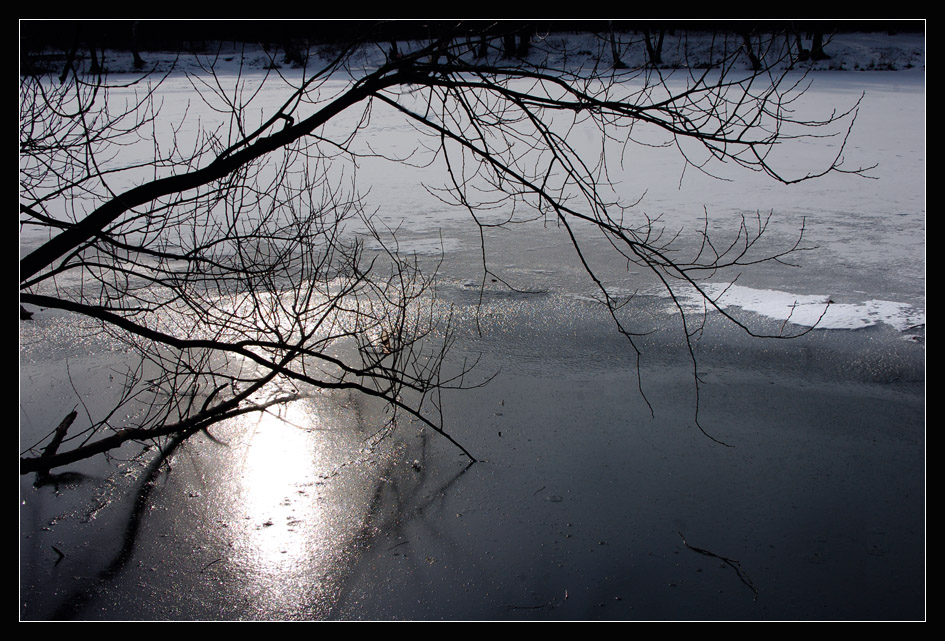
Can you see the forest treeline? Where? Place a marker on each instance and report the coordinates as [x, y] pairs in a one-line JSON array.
[[37, 36]]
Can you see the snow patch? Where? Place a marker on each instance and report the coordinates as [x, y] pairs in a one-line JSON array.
[[810, 310]]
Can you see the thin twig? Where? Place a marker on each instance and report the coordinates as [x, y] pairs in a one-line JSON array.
[[735, 565]]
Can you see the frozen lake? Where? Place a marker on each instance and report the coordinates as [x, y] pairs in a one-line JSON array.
[[585, 506]]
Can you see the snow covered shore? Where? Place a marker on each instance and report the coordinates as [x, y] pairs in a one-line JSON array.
[[682, 49]]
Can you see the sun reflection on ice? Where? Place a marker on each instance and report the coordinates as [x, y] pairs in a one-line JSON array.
[[284, 537], [276, 485], [291, 502]]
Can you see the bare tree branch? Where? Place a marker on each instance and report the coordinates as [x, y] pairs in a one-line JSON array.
[[219, 256]]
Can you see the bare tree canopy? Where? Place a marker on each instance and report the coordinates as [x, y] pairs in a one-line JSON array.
[[218, 253]]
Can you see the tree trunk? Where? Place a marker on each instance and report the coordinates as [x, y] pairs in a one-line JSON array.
[[94, 67], [524, 41], [138, 60], [803, 55], [817, 48], [755, 62], [655, 53], [483, 46], [508, 45], [70, 58], [614, 51]]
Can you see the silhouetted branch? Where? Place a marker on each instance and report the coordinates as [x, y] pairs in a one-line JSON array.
[[216, 251]]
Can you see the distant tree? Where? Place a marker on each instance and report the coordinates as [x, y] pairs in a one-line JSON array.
[[219, 258], [509, 49], [524, 40], [654, 46], [138, 60], [615, 48], [817, 48], [483, 50], [749, 47], [803, 54]]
